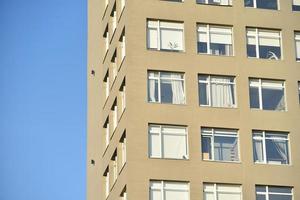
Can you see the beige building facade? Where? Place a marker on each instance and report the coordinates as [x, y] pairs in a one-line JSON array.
[[193, 99]]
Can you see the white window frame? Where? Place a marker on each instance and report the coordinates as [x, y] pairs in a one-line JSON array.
[[107, 134], [114, 66], [122, 46], [215, 190], [158, 29], [160, 126], [115, 115], [107, 182], [113, 20], [299, 91], [115, 166], [208, 33], [207, 3], [123, 142], [267, 193], [263, 138], [123, 96], [212, 133], [162, 188], [259, 86], [106, 38], [257, 36], [106, 85], [209, 83], [297, 39]]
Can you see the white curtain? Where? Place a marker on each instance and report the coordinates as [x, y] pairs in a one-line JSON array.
[[151, 88], [258, 150], [281, 103], [221, 94], [177, 89], [281, 148]]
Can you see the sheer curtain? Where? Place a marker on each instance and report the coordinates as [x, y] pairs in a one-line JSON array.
[[258, 150], [281, 103], [151, 88], [177, 89], [281, 148], [221, 94]]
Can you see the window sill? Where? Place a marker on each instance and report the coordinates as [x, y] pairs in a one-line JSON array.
[[222, 161], [214, 107], [154, 158], [264, 59], [209, 54], [164, 50], [216, 5], [262, 9], [272, 164], [160, 103], [257, 109]]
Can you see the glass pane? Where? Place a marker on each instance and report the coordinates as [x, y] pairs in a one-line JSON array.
[[248, 3], [254, 97], [251, 51], [202, 47], [203, 94], [298, 50], [221, 49], [226, 148], [155, 195], [209, 196], [152, 38], [279, 197], [260, 197], [273, 99], [277, 151], [260, 188], [154, 145], [174, 146], [206, 148], [171, 39], [222, 95], [153, 90], [277, 189], [166, 91], [258, 152], [226, 196], [176, 195], [296, 7], [269, 52], [267, 4], [200, 1]]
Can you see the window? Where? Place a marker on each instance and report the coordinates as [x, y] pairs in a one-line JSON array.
[[166, 87], [165, 35], [267, 94], [168, 142], [297, 41], [106, 182], [213, 191], [296, 5], [217, 91], [169, 190], [113, 19], [114, 110], [114, 160], [106, 38], [123, 149], [273, 192], [264, 43], [106, 128], [123, 194], [264, 4], [122, 46], [270, 147], [299, 91], [106, 84], [215, 40], [114, 66], [219, 144], [123, 96], [216, 2]]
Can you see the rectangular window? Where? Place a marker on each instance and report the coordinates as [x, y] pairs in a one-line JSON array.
[[106, 38], [267, 94], [114, 160], [114, 67], [297, 43], [166, 87], [123, 96], [169, 190], [213, 191], [123, 149], [264, 43], [216, 2], [106, 182], [270, 147], [122, 47], [165, 35], [215, 39], [168, 141], [299, 91], [106, 84], [114, 110], [106, 129], [217, 91], [264, 4], [219, 144], [273, 192], [296, 5]]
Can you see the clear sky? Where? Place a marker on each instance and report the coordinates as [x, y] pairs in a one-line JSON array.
[[43, 99]]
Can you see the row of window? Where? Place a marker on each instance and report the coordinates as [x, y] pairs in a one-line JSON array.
[[216, 90], [177, 190], [218, 144], [263, 4], [217, 39]]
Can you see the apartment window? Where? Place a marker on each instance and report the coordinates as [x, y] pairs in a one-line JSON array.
[[297, 42], [216, 2], [113, 17], [264, 4], [220, 144], [123, 194], [217, 91], [296, 5], [273, 192], [165, 35], [166, 87], [122, 46], [168, 141], [114, 66], [169, 190], [106, 84], [267, 94], [270, 147], [106, 182], [264, 43], [299, 91], [106, 38], [114, 160], [106, 130], [123, 149], [123, 96], [213, 191], [114, 110], [215, 39]]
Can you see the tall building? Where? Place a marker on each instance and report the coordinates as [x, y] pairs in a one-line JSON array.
[[193, 100]]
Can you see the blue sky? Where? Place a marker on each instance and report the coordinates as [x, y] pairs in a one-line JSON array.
[[43, 99]]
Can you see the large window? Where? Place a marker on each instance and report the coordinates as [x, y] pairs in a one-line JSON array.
[[270, 147], [216, 2], [273, 192], [217, 91], [213, 191], [166, 87], [168, 141], [215, 40], [264, 43], [219, 144], [264, 4], [296, 5], [297, 42], [267, 94], [165, 35], [169, 190]]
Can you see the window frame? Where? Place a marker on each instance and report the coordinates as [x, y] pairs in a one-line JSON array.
[[215, 190], [267, 193], [163, 189], [295, 7], [297, 39], [207, 3], [255, 6]]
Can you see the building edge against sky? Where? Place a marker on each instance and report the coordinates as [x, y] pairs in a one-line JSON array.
[[193, 100]]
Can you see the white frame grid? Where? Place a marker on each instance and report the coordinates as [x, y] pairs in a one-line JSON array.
[[157, 77], [209, 92], [267, 193], [215, 190], [161, 134], [263, 138], [208, 33], [297, 42], [207, 3], [257, 36], [158, 28], [258, 83], [162, 188], [219, 132]]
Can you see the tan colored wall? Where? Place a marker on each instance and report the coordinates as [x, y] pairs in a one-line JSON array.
[[139, 169]]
